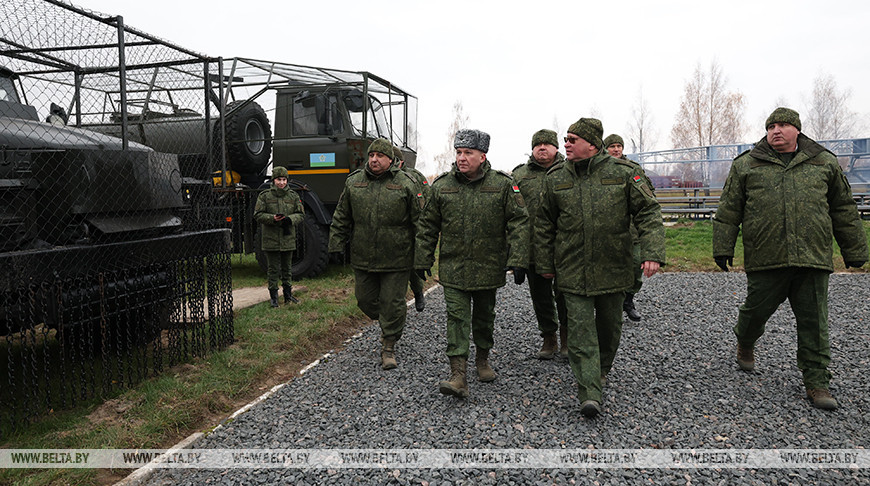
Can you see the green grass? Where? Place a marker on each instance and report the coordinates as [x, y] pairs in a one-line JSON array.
[[689, 247], [247, 272], [271, 346]]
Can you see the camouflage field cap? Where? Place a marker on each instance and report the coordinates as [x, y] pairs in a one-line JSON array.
[[279, 171], [381, 145], [397, 154], [612, 139], [588, 129], [784, 115], [545, 136], [473, 139]]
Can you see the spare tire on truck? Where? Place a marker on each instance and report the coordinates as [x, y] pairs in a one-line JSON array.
[[249, 137]]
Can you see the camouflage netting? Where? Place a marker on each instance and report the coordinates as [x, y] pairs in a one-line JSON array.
[[116, 253]]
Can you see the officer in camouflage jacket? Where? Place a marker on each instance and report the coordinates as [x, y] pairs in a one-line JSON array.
[[583, 238], [791, 199], [279, 210], [549, 306], [378, 212], [483, 226], [614, 145], [415, 282]]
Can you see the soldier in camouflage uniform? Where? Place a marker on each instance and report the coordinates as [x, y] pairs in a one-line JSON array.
[[483, 226], [791, 199], [278, 210], [529, 177], [614, 145], [415, 282], [583, 238], [378, 212]]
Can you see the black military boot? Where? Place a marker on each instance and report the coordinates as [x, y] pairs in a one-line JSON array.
[[288, 295], [273, 297], [628, 307], [419, 302]]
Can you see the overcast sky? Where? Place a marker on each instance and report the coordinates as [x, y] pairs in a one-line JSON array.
[[521, 66]]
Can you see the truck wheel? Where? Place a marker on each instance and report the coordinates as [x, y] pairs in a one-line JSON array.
[[312, 243], [249, 138], [311, 255]]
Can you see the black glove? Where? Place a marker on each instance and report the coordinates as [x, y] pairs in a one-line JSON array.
[[854, 264], [723, 262], [519, 275], [423, 273]]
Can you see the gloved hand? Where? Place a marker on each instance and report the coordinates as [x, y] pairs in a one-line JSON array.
[[519, 275], [854, 264], [723, 262], [423, 273]]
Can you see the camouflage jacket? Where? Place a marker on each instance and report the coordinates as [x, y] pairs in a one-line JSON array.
[[634, 236], [420, 179], [483, 227], [789, 213], [278, 236], [529, 177], [378, 214], [583, 227]]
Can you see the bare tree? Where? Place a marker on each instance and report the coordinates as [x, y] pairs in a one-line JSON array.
[[709, 113], [556, 126], [641, 131], [828, 116], [445, 159]]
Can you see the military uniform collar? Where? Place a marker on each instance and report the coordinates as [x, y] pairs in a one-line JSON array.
[[591, 163], [391, 171], [807, 148], [484, 168], [534, 164]]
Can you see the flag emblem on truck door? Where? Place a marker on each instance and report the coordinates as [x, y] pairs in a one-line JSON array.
[[322, 160]]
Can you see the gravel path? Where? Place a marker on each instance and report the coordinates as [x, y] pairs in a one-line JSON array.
[[674, 385]]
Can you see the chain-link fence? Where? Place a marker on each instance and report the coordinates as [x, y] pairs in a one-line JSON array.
[[115, 256]]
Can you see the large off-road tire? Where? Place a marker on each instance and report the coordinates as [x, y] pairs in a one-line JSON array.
[[311, 255], [249, 138], [312, 245]]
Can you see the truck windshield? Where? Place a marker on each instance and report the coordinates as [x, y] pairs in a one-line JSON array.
[[7, 90], [375, 117]]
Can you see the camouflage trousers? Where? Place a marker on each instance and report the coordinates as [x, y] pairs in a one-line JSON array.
[[462, 319], [549, 303], [807, 292], [594, 330], [381, 296], [638, 271], [416, 283], [278, 264]]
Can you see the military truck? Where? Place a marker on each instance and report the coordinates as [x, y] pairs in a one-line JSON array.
[[323, 121]]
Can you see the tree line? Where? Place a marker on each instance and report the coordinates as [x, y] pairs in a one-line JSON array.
[[711, 113]]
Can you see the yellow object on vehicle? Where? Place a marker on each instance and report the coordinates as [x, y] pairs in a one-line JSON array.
[[231, 177]]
